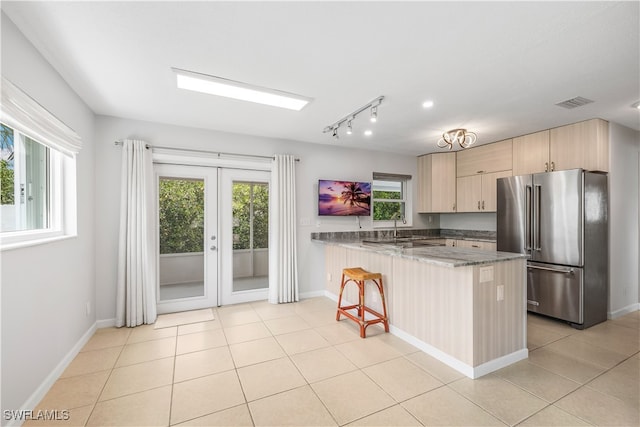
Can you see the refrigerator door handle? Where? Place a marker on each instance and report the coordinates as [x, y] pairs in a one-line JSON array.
[[555, 270], [528, 232], [537, 189]]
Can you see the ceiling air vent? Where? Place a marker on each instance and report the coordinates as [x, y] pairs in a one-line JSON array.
[[578, 101]]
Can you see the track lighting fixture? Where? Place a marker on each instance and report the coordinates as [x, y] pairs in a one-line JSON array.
[[348, 119]]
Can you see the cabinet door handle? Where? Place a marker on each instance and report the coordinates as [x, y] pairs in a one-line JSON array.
[[483, 205], [546, 166], [454, 207], [553, 166], [478, 204]]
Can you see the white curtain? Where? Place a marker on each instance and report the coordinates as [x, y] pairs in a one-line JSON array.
[[136, 285], [283, 261]]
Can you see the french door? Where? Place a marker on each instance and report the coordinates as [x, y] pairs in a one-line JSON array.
[[244, 237], [188, 256]]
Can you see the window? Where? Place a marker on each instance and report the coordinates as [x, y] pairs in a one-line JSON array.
[[37, 172], [390, 198]]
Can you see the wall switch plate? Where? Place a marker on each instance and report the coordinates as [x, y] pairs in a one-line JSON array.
[[328, 277], [500, 293], [486, 274]]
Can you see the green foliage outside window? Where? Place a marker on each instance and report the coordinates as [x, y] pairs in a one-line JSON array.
[[383, 210], [181, 215], [6, 166], [250, 215]]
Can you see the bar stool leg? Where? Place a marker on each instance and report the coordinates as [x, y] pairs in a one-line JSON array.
[[342, 283], [361, 310], [384, 305]]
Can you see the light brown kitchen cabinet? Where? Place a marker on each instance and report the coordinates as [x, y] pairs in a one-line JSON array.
[[580, 145], [494, 157], [477, 193], [531, 153], [437, 183]]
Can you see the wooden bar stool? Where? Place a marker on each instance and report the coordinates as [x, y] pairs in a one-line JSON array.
[[358, 276]]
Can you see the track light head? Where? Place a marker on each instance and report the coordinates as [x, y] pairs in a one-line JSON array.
[[349, 128], [374, 113], [335, 133]]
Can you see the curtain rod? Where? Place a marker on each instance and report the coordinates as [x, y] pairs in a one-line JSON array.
[[219, 153]]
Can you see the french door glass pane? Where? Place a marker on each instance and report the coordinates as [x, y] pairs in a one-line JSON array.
[[250, 235], [181, 218]]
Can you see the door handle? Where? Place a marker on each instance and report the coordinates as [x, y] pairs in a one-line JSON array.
[[537, 189], [528, 234], [213, 247], [530, 302], [555, 270]]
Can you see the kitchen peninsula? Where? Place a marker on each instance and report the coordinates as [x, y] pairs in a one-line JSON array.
[[465, 307]]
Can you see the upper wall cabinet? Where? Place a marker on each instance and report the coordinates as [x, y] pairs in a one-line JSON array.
[[478, 169], [531, 153], [580, 145], [437, 183], [486, 158]]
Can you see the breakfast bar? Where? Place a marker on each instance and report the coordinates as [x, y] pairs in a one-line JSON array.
[[465, 307]]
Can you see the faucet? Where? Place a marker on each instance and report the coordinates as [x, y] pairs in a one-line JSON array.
[[395, 223]]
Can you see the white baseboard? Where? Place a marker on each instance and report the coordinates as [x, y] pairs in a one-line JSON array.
[[53, 376], [469, 371], [106, 323], [313, 294], [625, 310]]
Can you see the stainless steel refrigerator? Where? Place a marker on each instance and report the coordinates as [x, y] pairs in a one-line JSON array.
[[560, 220]]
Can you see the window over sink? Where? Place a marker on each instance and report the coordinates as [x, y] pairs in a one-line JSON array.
[[391, 199]]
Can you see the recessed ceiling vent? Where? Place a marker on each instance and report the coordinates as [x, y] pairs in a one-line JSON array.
[[578, 101]]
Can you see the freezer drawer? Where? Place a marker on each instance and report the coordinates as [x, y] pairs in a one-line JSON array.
[[555, 291]]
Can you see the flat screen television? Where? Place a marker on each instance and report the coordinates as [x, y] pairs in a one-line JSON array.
[[344, 198]]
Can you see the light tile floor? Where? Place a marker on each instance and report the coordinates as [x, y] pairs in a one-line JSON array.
[[266, 365]]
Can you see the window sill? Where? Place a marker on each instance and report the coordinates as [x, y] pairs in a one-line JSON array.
[[25, 242]]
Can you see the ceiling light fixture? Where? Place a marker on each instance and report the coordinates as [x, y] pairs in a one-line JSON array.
[[636, 105], [219, 86], [457, 136], [427, 104], [374, 114], [349, 118], [368, 132], [335, 133]]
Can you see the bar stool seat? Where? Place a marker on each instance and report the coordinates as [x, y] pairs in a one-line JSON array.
[[359, 276]]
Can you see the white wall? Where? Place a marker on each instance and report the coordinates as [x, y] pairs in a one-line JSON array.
[[45, 288], [317, 161], [624, 192]]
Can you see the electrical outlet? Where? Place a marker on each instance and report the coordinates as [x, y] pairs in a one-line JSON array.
[[328, 277], [88, 308], [500, 292]]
